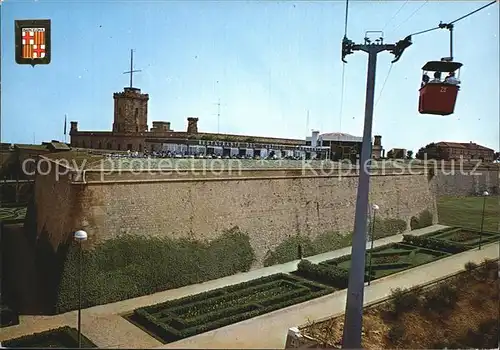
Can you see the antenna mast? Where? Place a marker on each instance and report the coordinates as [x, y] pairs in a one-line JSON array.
[[132, 71]]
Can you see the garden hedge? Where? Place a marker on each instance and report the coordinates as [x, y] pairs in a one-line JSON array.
[[327, 242], [132, 266], [434, 244], [63, 337], [328, 274], [212, 311]]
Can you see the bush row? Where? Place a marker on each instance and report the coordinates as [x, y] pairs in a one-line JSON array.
[[172, 328], [434, 244], [63, 337], [132, 266], [288, 250], [328, 274]]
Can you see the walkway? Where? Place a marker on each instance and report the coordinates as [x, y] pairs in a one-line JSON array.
[[270, 330], [104, 325]]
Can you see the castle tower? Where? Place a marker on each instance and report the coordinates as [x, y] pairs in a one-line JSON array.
[[192, 125], [377, 147], [131, 111], [131, 106]]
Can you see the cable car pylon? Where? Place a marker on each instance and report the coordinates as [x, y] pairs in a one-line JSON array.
[[354, 303]]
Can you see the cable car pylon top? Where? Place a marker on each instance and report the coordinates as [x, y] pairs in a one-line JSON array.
[[397, 49]]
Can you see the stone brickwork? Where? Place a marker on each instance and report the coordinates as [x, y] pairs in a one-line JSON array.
[[269, 210], [448, 184], [131, 111], [269, 205]]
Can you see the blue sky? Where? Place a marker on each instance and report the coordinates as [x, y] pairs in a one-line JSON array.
[[268, 62]]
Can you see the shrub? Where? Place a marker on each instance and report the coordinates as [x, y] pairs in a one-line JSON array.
[[424, 219], [288, 249], [396, 333], [442, 298], [405, 300], [327, 274], [434, 244], [470, 266], [132, 266], [388, 227]]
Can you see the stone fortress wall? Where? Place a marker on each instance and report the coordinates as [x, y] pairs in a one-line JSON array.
[[268, 204]]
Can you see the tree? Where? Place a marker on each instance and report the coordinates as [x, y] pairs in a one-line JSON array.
[[420, 154], [409, 154]]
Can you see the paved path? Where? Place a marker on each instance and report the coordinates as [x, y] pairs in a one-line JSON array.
[[105, 326], [270, 330]]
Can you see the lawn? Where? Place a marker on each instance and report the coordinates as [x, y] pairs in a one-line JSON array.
[[64, 337], [12, 214], [391, 258], [195, 314], [467, 212]]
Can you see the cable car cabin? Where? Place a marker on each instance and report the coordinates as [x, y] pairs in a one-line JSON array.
[[438, 96]]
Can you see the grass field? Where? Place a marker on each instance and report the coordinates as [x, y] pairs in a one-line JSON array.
[[467, 212]]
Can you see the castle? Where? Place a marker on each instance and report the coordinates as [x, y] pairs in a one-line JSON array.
[[130, 132]]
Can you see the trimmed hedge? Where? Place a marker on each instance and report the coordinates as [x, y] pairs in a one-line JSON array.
[[132, 266], [288, 249], [434, 244], [195, 314], [327, 242], [63, 337], [424, 219], [330, 275]]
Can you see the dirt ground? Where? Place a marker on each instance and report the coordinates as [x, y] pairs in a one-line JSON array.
[[426, 324]]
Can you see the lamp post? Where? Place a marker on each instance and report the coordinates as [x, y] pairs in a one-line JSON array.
[[374, 209], [79, 237], [485, 194]]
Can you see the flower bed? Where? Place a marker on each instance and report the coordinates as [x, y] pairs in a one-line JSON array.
[[64, 337], [188, 316]]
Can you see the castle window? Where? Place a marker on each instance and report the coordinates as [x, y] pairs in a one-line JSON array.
[[119, 146], [109, 145], [83, 144], [100, 145], [140, 147], [129, 147]]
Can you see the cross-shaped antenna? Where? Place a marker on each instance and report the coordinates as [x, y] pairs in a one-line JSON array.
[[132, 71]]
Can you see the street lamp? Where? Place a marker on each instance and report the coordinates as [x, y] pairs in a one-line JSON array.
[[374, 209], [485, 194], [79, 237]]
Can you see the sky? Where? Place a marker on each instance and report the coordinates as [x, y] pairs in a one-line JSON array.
[[269, 62]]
